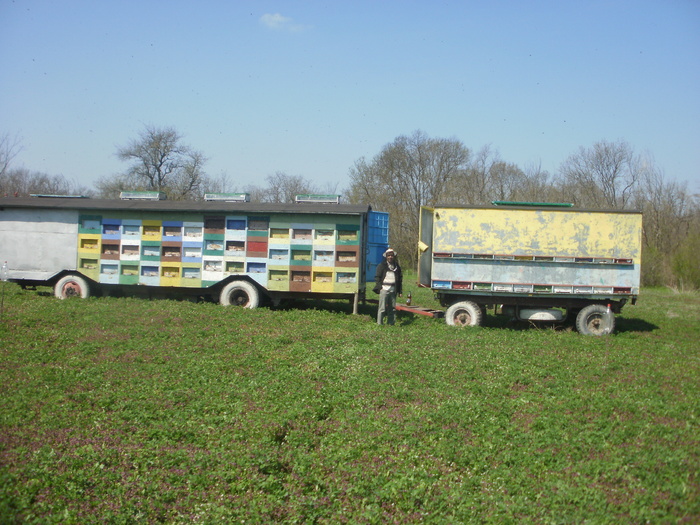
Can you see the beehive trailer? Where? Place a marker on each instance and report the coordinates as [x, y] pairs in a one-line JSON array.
[[534, 262], [232, 250]]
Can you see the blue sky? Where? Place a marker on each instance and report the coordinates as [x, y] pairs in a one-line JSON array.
[[307, 88]]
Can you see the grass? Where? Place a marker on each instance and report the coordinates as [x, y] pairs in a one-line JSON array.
[[124, 410]]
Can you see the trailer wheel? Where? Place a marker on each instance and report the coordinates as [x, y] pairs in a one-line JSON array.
[[464, 313], [240, 293], [595, 319], [71, 286]]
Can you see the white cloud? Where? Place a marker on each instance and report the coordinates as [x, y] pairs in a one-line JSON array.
[[279, 22]]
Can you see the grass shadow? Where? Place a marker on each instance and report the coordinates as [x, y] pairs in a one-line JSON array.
[[634, 324]]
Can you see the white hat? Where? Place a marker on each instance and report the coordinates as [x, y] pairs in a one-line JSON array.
[[388, 251]]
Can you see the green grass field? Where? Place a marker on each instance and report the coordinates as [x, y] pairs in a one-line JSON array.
[[124, 410]]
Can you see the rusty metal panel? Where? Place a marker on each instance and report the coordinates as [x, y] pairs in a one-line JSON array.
[[526, 250], [538, 232]]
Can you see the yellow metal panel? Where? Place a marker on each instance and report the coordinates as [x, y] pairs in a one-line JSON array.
[[538, 233]]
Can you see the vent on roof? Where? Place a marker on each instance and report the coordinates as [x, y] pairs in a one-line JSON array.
[[318, 199], [142, 195], [227, 197], [43, 196], [545, 204]]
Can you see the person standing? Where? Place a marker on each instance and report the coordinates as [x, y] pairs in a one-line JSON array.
[[388, 283]]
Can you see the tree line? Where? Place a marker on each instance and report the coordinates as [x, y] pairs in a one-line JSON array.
[[416, 170]]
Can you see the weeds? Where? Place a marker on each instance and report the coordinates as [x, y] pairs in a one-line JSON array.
[[136, 411]]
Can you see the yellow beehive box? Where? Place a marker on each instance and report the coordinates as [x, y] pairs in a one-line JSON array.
[[151, 230], [89, 243], [278, 279], [171, 274], [322, 280], [345, 281], [324, 236], [191, 275]]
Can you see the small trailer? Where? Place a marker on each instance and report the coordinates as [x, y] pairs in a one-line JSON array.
[[534, 262], [235, 251]]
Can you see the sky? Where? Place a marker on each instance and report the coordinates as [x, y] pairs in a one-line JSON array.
[[309, 87]]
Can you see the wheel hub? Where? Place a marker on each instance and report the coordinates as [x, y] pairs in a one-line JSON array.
[[463, 318], [71, 290], [239, 299], [595, 324]]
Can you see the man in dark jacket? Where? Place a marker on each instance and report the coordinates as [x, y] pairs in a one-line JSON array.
[[388, 283]]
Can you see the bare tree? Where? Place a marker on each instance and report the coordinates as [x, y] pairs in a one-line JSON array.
[[506, 181], [670, 214], [160, 162], [685, 265], [22, 182], [410, 172], [190, 180], [111, 187], [257, 193], [475, 186], [537, 186], [284, 188], [602, 176], [220, 184], [488, 178], [9, 149], [331, 188], [280, 188]]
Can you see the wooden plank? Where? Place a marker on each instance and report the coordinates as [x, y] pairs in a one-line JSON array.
[[429, 312]]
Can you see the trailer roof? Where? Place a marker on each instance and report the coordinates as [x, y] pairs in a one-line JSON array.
[[64, 203], [554, 207]]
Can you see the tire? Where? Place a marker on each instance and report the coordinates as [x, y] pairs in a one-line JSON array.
[[240, 293], [464, 313], [71, 286], [595, 319]]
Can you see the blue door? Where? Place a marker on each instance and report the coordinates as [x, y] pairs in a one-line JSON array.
[[378, 241]]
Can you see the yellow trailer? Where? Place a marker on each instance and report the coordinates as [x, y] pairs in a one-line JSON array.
[[538, 262]]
